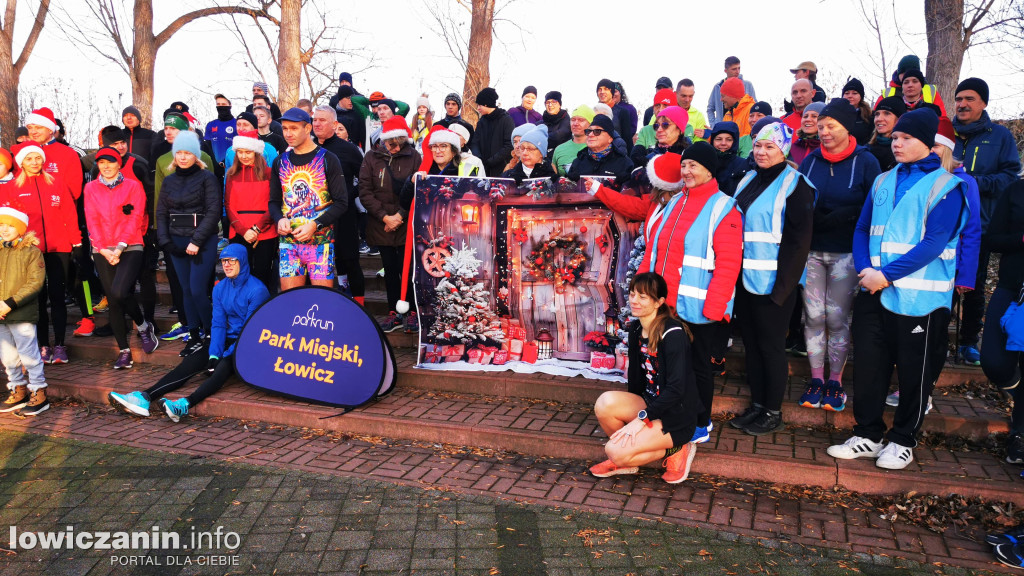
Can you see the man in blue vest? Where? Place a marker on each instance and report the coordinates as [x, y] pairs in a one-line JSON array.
[[907, 274]]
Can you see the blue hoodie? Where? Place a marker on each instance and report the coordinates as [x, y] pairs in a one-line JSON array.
[[234, 301], [842, 189]]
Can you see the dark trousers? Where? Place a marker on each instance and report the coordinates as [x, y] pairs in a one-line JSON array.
[[393, 259], [356, 281], [57, 265], [147, 275], [190, 366], [884, 340], [1003, 367], [194, 275], [707, 338], [262, 261], [177, 295], [972, 305], [764, 328], [119, 284]]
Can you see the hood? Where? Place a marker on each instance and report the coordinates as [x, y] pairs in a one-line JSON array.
[[28, 239], [729, 128], [237, 251]]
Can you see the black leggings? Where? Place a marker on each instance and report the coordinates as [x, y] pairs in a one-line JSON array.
[[393, 258], [177, 295], [57, 264], [262, 261], [119, 284], [764, 325], [147, 276], [190, 366], [707, 339], [1003, 367]]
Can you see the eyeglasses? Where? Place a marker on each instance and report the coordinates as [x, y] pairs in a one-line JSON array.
[[594, 131], [439, 146], [228, 261], [662, 125]]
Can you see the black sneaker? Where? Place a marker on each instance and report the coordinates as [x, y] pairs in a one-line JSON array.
[[194, 345], [1015, 448], [1011, 554], [1011, 536], [766, 423], [747, 418], [103, 331]]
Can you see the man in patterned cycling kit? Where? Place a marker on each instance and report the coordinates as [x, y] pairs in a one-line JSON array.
[[307, 195]]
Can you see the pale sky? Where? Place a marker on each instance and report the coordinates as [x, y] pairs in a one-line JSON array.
[[567, 45]]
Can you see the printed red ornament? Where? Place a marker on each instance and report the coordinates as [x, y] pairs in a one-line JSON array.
[[583, 229]]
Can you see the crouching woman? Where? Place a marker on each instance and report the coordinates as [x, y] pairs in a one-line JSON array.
[[656, 418]]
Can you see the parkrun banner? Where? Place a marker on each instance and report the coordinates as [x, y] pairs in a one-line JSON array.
[[316, 344], [529, 277]]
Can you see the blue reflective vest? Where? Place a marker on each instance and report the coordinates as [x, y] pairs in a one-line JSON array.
[[897, 228], [762, 230], [698, 256]]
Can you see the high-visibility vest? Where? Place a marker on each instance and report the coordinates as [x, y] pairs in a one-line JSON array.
[[762, 230], [896, 228], [928, 92]]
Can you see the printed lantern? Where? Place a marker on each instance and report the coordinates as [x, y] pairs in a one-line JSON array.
[[469, 206], [611, 322], [544, 344]]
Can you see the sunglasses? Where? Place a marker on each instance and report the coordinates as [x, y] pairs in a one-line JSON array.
[[594, 131], [661, 125]]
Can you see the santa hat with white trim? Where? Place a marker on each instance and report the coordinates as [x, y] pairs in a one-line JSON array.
[[247, 140], [15, 218], [395, 127], [445, 136], [663, 172], [42, 117], [26, 148]]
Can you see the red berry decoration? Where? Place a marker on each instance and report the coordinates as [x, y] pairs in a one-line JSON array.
[[472, 318], [583, 229], [539, 261]]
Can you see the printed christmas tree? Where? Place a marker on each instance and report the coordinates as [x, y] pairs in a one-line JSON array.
[[463, 311]]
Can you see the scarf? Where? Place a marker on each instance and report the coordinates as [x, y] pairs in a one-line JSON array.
[[111, 184], [968, 130], [599, 155], [552, 118], [842, 155], [883, 140]]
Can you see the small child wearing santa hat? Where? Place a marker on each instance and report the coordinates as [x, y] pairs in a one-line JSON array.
[[22, 271]]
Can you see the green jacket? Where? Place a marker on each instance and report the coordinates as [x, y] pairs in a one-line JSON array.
[[21, 278], [362, 104]]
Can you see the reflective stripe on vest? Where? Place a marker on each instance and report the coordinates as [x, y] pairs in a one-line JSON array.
[[896, 228], [762, 230], [928, 92], [467, 170]]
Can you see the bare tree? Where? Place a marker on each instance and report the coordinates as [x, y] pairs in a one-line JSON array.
[[874, 17], [11, 67], [115, 36], [289, 54]]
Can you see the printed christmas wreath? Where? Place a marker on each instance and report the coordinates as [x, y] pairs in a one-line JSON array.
[[567, 271]]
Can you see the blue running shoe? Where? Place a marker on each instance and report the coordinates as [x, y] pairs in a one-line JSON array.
[[175, 408], [835, 397], [970, 355], [1013, 536], [812, 396], [132, 403], [177, 331], [1011, 554], [701, 435]]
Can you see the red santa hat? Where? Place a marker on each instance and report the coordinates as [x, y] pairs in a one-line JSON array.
[[663, 172], [24, 149], [444, 136], [946, 134], [42, 117], [247, 140], [395, 127]]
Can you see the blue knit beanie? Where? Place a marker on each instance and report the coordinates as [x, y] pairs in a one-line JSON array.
[[538, 136], [921, 124], [186, 141]]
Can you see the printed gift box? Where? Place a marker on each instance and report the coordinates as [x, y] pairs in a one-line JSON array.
[[621, 358], [500, 357], [482, 355], [602, 360], [433, 354], [515, 349], [453, 353]]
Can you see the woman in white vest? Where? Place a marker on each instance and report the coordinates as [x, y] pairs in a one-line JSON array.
[[907, 276], [777, 203]]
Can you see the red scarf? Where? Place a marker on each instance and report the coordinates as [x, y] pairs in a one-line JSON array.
[[833, 158]]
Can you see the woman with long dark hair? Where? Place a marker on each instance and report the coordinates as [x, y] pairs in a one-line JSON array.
[[246, 201], [657, 417]]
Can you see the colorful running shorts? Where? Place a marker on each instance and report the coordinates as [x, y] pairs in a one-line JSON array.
[[317, 260]]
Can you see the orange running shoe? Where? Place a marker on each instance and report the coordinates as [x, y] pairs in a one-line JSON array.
[[608, 468], [679, 463]]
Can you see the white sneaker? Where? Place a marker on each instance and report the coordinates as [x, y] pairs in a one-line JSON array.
[[894, 400], [855, 447], [894, 457]]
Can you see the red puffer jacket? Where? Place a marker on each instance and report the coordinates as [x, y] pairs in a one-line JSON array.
[[247, 202], [50, 209], [115, 215]]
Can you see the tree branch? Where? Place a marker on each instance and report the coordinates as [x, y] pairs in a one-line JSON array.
[[184, 19], [33, 36]]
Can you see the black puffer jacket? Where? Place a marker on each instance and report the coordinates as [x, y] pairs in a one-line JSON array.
[[191, 191], [542, 170], [492, 141], [559, 130], [615, 164]]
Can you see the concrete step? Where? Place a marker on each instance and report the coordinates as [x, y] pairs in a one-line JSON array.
[[795, 455]]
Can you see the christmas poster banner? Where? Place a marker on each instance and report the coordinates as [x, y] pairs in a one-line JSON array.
[[529, 278], [316, 344]]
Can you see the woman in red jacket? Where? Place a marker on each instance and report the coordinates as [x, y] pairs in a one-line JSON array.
[[53, 219], [115, 214], [246, 199]]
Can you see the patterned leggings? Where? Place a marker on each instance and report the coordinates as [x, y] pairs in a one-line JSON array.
[[828, 299]]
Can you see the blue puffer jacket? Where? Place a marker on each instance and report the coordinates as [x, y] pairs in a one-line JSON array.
[[234, 301], [842, 188], [990, 155]]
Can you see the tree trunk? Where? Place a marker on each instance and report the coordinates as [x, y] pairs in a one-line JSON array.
[[289, 54], [944, 24], [10, 68], [143, 61], [478, 67]]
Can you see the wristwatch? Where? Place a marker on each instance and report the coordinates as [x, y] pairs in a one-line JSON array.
[[642, 415]]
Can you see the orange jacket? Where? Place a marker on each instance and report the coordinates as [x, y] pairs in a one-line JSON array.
[[740, 114]]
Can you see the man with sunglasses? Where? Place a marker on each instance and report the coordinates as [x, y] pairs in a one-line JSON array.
[[600, 158]]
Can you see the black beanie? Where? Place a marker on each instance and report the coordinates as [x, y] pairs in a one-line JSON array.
[[111, 134], [915, 74], [602, 121], [250, 118], [138, 115], [976, 84], [487, 97], [607, 84], [704, 154], [840, 110], [553, 95], [894, 104], [529, 90], [855, 85], [762, 108], [345, 91], [921, 124]]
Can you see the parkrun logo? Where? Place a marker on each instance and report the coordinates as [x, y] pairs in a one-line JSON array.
[[312, 321]]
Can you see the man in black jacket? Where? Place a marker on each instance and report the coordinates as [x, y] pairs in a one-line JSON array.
[[140, 140], [600, 157], [492, 141], [354, 122], [453, 115]]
